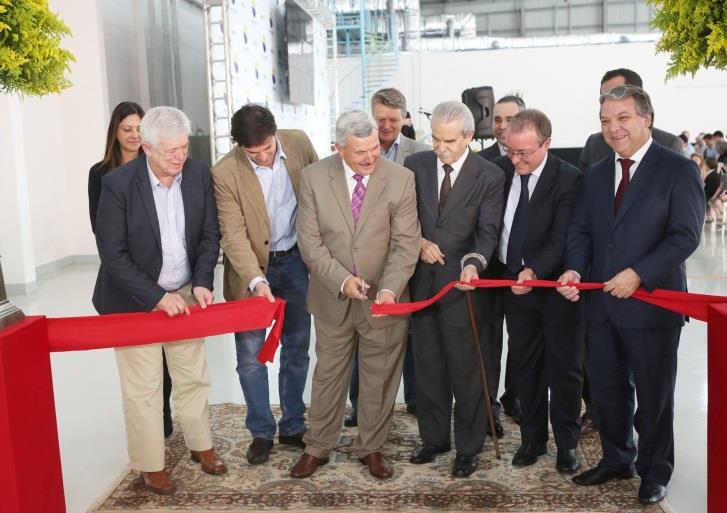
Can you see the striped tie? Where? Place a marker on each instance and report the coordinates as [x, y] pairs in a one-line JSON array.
[[358, 196]]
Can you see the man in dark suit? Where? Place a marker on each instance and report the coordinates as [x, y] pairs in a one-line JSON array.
[[546, 332], [596, 147], [638, 217], [491, 311], [459, 201], [158, 240], [505, 109]]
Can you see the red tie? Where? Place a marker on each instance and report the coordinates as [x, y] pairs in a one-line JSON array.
[[624, 184]]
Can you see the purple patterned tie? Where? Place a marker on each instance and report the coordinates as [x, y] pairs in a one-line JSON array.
[[358, 196]]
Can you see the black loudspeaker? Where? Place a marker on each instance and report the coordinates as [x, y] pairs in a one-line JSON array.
[[481, 101]]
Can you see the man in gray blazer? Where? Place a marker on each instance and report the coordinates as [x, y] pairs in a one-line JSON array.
[[388, 107], [596, 148]]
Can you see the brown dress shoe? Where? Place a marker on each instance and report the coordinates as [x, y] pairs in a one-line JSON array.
[[378, 466], [211, 463], [306, 465], [158, 482]]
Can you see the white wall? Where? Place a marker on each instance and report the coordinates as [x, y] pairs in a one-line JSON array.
[[57, 139], [563, 82]]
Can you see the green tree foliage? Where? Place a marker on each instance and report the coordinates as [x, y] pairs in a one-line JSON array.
[[694, 33], [31, 60]]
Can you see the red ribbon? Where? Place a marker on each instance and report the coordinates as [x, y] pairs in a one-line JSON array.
[[692, 305], [135, 329]]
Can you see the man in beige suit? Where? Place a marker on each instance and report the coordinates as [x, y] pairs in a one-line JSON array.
[[388, 107], [358, 232], [256, 188]]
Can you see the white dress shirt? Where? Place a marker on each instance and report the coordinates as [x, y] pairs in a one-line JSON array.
[[456, 168], [637, 157], [512, 200]]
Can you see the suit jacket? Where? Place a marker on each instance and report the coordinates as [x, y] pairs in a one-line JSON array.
[[129, 240], [243, 217], [656, 228], [408, 147], [548, 216], [597, 149], [491, 152], [383, 246], [470, 223]]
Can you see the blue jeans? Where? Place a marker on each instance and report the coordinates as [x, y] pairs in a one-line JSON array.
[[288, 278]]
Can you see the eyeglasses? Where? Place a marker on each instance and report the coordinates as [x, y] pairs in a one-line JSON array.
[[522, 154]]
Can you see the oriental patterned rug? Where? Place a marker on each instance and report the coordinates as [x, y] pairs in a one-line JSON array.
[[345, 485]]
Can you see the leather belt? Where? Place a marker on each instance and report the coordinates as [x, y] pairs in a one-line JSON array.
[[278, 254]]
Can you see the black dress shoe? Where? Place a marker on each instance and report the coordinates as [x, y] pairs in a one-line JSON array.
[[528, 454], [464, 465], [567, 461], [599, 475], [651, 493], [411, 408], [498, 428], [511, 408], [259, 451], [295, 440], [426, 454], [350, 419]]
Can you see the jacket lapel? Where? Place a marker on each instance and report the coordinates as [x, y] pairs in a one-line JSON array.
[[144, 186], [463, 185], [250, 185], [642, 176], [375, 187], [339, 187], [545, 183]]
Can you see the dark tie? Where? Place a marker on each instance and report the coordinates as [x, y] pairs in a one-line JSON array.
[[624, 183], [446, 187], [517, 230]]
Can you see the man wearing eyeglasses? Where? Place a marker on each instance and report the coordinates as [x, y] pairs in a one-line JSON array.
[[546, 332]]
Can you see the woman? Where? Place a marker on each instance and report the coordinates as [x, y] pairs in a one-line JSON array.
[[123, 144], [713, 191]]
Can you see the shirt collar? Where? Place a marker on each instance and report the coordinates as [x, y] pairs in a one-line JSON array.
[[457, 165], [539, 169], [350, 172], [155, 181], [638, 155]]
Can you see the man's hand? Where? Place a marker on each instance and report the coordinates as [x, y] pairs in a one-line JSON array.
[[430, 253], [355, 288], [569, 292], [623, 285], [263, 289], [172, 303], [525, 275], [203, 296], [468, 274], [384, 297]]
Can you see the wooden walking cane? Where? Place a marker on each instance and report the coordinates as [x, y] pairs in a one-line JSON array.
[[483, 379]]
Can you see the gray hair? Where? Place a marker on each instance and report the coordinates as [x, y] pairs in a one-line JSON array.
[[720, 146], [356, 123], [449, 111], [390, 97], [532, 118], [163, 122], [641, 99]]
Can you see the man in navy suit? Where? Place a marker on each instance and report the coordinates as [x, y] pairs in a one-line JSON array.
[[158, 239], [637, 220], [546, 332]]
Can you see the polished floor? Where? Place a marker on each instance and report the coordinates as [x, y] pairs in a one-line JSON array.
[[88, 401]]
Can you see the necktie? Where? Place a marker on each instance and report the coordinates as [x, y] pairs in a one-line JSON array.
[[624, 183], [446, 187], [357, 197], [517, 230]]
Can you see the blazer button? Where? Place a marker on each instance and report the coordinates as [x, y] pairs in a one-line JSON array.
[[266, 243], [611, 244], [262, 268]]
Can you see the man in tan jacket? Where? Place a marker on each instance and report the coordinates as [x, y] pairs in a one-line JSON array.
[[359, 235], [256, 188]]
